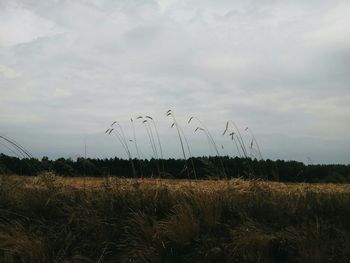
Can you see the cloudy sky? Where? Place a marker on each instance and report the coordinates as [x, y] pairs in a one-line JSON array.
[[68, 69]]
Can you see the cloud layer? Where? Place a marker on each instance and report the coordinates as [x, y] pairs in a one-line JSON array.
[[69, 68]]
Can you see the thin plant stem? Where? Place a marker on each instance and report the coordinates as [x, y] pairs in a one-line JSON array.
[[17, 146], [122, 138], [179, 132], [136, 147], [158, 139], [256, 142], [240, 139], [134, 135], [211, 140]]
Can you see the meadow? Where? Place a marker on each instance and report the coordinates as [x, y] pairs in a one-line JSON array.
[[48, 218]]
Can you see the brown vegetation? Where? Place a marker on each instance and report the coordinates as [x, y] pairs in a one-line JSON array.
[[53, 219]]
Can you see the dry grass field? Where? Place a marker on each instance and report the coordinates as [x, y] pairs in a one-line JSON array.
[[54, 219], [89, 183]]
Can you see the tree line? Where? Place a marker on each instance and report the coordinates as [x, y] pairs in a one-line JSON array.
[[198, 167]]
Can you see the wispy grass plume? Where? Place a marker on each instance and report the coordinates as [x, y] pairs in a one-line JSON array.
[[119, 132], [182, 139]]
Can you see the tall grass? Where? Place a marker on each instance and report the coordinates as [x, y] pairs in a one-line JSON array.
[[15, 147], [52, 220], [150, 134], [212, 143], [134, 139], [182, 139], [17, 150], [119, 133], [154, 138], [236, 136], [254, 142]]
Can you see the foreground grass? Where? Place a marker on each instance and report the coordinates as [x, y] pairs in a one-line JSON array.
[[51, 219]]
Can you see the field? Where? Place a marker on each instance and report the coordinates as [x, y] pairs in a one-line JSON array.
[[55, 219]]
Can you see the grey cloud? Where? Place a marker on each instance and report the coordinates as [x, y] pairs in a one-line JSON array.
[[277, 67]]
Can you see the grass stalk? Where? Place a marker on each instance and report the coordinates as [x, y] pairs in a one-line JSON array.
[[254, 141], [211, 141], [182, 137], [122, 139], [158, 139]]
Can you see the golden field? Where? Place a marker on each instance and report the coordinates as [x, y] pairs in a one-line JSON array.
[[55, 219], [240, 185]]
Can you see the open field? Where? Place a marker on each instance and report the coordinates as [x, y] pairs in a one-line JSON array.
[[179, 184], [54, 219]]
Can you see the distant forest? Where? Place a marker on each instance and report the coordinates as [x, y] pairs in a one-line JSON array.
[[199, 167]]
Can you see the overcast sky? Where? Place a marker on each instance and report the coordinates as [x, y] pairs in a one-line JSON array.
[[68, 69]]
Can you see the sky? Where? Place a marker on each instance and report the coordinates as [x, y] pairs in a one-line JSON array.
[[68, 69]]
